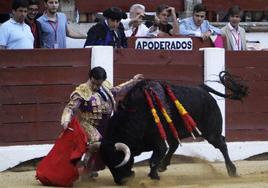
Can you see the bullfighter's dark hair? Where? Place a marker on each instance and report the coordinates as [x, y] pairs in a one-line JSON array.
[[160, 8], [98, 73], [19, 3], [199, 8], [235, 10]]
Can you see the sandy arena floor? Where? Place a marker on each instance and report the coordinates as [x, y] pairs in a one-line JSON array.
[[198, 174]]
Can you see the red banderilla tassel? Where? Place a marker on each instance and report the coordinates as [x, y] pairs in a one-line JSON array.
[[187, 119], [156, 117], [167, 117]]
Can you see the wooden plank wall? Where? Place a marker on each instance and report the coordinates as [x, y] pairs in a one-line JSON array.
[[160, 65], [248, 120], [249, 5], [35, 85], [88, 6], [217, 6], [5, 6]]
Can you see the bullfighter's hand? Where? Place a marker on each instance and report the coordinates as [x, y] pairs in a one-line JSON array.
[[138, 77]]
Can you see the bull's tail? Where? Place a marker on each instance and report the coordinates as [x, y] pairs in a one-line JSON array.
[[237, 89]]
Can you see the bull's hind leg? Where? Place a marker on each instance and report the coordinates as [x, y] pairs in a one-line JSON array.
[[159, 152], [166, 161], [219, 142]]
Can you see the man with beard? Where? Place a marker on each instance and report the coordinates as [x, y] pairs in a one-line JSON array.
[[197, 25], [15, 34], [54, 27], [110, 32], [31, 20], [235, 35]]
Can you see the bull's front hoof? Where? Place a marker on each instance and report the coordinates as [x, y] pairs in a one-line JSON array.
[[232, 171], [162, 168], [127, 178], [154, 176]]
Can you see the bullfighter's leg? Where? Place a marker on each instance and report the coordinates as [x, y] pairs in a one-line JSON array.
[[159, 152], [166, 161], [219, 142]]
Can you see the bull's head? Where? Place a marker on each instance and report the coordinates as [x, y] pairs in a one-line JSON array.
[[117, 158]]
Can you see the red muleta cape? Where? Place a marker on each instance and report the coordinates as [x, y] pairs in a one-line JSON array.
[[58, 167]]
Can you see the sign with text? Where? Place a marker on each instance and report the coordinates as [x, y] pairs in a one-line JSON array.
[[164, 43]]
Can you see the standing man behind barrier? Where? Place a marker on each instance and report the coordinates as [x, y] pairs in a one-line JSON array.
[[31, 20], [109, 32], [14, 33], [54, 27], [197, 25], [235, 35], [134, 26]]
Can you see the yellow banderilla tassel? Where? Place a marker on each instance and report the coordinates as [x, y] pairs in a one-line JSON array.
[[168, 119], [180, 108], [156, 117]]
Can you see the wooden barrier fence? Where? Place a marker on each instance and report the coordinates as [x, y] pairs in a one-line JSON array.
[[248, 119], [217, 6], [88, 6], [35, 86]]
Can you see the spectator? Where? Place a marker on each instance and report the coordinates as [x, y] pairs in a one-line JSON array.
[[109, 32], [197, 25], [134, 26], [235, 35], [31, 20], [15, 34], [95, 102], [54, 27], [161, 26]]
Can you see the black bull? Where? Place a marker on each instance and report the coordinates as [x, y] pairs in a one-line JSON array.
[[133, 124]]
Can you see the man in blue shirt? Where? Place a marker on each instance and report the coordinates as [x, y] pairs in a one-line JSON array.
[[197, 25], [54, 27]]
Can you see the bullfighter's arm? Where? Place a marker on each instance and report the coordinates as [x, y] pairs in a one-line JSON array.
[[126, 86], [69, 110]]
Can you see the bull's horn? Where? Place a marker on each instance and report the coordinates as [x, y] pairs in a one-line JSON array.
[[123, 147]]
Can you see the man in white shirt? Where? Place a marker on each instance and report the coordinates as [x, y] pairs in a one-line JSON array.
[[235, 35], [15, 34], [134, 26]]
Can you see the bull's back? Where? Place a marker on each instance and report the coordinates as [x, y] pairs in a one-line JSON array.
[[201, 106]]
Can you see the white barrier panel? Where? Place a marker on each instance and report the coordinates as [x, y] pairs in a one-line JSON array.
[[214, 63], [103, 56], [204, 150], [11, 156]]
